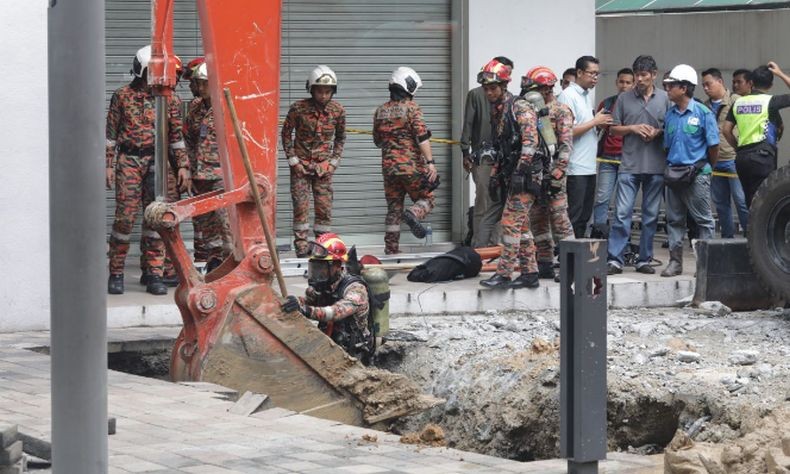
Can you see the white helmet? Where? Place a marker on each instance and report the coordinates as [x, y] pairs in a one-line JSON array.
[[141, 60], [321, 76], [407, 79], [682, 73], [200, 72]]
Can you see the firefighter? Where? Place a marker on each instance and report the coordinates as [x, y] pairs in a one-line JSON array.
[[340, 302], [520, 176], [406, 159], [129, 156], [201, 140], [319, 125], [549, 216]]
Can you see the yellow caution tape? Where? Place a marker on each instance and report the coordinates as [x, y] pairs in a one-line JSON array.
[[721, 174]]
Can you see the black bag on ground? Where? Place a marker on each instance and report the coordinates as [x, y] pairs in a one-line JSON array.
[[462, 262]]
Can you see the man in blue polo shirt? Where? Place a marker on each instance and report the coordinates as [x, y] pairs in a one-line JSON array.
[[691, 138]]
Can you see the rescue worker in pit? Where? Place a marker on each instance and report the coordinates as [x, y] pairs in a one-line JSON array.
[[406, 159], [549, 215], [201, 140], [314, 154], [337, 300], [757, 117], [520, 175], [494, 77], [129, 157]]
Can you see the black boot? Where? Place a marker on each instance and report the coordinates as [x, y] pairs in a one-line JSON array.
[[155, 286], [525, 280], [416, 226], [675, 266], [212, 264], [115, 285], [496, 281], [171, 280], [546, 270], [144, 278]]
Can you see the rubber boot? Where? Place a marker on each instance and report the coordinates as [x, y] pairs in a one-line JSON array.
[[546, 270], [155, 286], [115, 285], [416, 226], [675, 266], [212, 264], [171, 280], [525, 280]]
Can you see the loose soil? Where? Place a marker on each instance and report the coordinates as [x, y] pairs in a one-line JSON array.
[[718, 377]]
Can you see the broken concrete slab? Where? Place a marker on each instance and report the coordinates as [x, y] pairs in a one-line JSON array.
[[8, 434], [250, 403], [11, 454]]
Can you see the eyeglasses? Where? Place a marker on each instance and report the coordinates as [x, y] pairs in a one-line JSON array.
[[593, 74]]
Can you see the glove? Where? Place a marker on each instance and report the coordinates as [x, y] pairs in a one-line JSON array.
[[493, 188], [292, 304], [429, 185]]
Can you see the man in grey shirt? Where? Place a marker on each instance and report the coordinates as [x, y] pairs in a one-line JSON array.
[[479, 155], [639, 118]]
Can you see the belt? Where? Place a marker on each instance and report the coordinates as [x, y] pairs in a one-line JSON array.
[[135, 150]]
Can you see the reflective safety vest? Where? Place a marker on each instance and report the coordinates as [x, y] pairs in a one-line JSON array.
[[751, 116]]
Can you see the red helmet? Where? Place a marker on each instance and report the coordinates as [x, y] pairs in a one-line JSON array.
[[538, 76], [328, 247], [191, 66], [179, 67], [494, 72]]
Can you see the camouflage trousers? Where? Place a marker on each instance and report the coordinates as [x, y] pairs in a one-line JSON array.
[[519, 246], [302, 188], [150, 194], [396, 187], [549, 220], [213, 228], [134, 190]]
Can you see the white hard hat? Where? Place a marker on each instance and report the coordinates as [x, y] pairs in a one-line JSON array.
[[321, 76], [406, 78], [682, 73], [141, 60], [200, 72]]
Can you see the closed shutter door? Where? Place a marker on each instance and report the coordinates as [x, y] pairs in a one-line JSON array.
[[362, 41]]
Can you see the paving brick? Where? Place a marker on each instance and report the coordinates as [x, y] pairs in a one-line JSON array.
[[364, 469], [11, 454], [8, 435]]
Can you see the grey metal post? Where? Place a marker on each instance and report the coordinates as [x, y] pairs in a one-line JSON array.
[[583, 354], [160, 151], [77, 242]]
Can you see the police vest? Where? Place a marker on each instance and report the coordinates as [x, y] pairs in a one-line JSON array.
[[751, 115]]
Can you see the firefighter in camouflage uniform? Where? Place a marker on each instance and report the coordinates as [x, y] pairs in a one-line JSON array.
[[129, 158], [518, 175], [549, 215], [201, 140], [338, 301], [319, 124], [406, 158]]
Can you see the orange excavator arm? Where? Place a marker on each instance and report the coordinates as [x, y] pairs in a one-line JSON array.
[[234, 332]]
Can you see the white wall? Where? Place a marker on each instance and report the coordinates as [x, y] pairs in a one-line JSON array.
[[24, 206], [530, 33]]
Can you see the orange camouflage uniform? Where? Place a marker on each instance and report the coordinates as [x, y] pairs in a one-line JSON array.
[[549, 216], [398, 129], [518, 243], [313, 137], [130, 151], [211, 229]]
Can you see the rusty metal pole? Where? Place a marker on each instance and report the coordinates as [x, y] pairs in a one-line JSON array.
[[77, 236], [583, 390]]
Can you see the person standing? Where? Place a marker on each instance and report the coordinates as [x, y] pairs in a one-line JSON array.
[[568, 77], [742, 82], [725, 186], [129, 156], [691, 138], [581, 169], [610, 149], [406, 158], [759, 123], [517, 125], [549, 215], [201, 139], [313, 154], [639, 118], [479, 157]]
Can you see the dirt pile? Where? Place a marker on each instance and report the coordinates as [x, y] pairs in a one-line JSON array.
[[432, 435], [668, 369]]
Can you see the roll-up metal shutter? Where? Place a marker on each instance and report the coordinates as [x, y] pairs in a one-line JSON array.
[[363, 41]]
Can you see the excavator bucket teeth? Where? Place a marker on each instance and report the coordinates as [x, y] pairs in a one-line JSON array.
[[259, 348]]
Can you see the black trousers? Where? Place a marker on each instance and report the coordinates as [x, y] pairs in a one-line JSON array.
[[753, 165], [581, 198]]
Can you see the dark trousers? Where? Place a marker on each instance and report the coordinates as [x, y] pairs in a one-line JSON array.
[[753, 165], [581, 198]]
